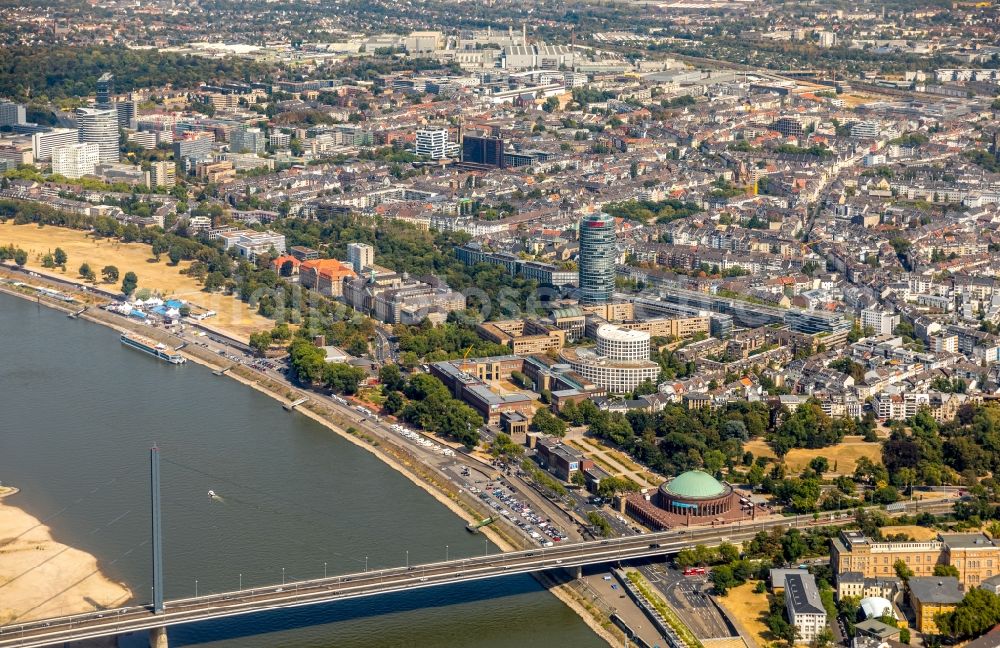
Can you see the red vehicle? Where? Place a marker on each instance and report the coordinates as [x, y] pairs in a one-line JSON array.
[[695, 571]]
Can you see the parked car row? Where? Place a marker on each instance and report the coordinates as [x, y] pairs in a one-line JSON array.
[[420, 440]]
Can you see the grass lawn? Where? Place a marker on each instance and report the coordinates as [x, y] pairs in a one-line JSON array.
[[232, 315], [750, 609], [918, 533], [372, 395], [844, 455]]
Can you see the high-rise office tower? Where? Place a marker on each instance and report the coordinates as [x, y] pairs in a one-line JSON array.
[[105, 90], [161, 174], [100, 126], [126, 113], [597, 258], [247, 140], [483, 150]]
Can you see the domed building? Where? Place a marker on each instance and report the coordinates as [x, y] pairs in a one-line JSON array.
[[695, 493], [693, 497]]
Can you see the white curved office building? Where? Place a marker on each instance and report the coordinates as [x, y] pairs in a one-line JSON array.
[[622, 344], [619, 363], [100, 127]]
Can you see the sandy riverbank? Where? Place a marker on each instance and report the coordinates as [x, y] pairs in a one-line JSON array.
[[411, 470], [40, 577]]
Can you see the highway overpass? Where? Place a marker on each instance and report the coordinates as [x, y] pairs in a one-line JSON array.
[[116, 621]]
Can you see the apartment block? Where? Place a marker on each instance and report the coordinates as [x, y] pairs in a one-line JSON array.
[[161, 174], [45, 141], [75, 160], [804, 606]]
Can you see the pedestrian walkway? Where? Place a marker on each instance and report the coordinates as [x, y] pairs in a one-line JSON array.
[[727, 642]]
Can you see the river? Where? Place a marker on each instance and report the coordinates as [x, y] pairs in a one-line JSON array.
[[80, 412]]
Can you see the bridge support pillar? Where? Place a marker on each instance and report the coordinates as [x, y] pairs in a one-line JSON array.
[[158, 638], [577, 572]]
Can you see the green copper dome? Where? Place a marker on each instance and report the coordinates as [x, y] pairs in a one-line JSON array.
[[695, 484]]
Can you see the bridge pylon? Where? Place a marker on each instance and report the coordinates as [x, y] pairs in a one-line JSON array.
[[158, 638], [154, 487]]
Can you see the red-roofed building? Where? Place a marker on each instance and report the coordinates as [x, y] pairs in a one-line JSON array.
[[325, 276], [279, 262]]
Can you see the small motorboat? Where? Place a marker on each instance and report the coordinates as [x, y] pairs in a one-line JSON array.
[[211, 493]]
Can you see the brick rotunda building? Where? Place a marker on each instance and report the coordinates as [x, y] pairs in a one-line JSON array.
[[693, 497]]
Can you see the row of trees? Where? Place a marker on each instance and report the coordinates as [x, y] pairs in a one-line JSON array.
[[450, 340], [677, 439], [978, 611], [430, 406], [961, 450]]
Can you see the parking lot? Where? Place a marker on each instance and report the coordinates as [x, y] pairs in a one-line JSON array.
[[501, 498]]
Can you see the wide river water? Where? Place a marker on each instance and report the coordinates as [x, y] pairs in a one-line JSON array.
[[78, 414]]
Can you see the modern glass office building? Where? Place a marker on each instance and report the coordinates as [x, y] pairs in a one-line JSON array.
[[597, 258]]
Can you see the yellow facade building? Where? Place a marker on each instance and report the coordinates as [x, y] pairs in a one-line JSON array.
[[975, 556]]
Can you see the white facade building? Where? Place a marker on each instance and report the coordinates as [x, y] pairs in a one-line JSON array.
[[75, 160], [432, 142], [622, 344], [804, 606], [361, 256], [879, 321], [865, 129], [45, 141], [100, 127], [620, 362], [280, 140], [250, 243]]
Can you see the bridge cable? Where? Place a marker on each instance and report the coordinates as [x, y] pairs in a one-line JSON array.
[[93, 491], [274, 511]]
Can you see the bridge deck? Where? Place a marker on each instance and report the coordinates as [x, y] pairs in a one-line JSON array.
[[136, 618]]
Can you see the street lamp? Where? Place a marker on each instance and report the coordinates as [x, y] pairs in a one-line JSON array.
[[282, 576], [366, 563], [324, 570], [407, 558], [241, 582], [196, 588], [446, 553]]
